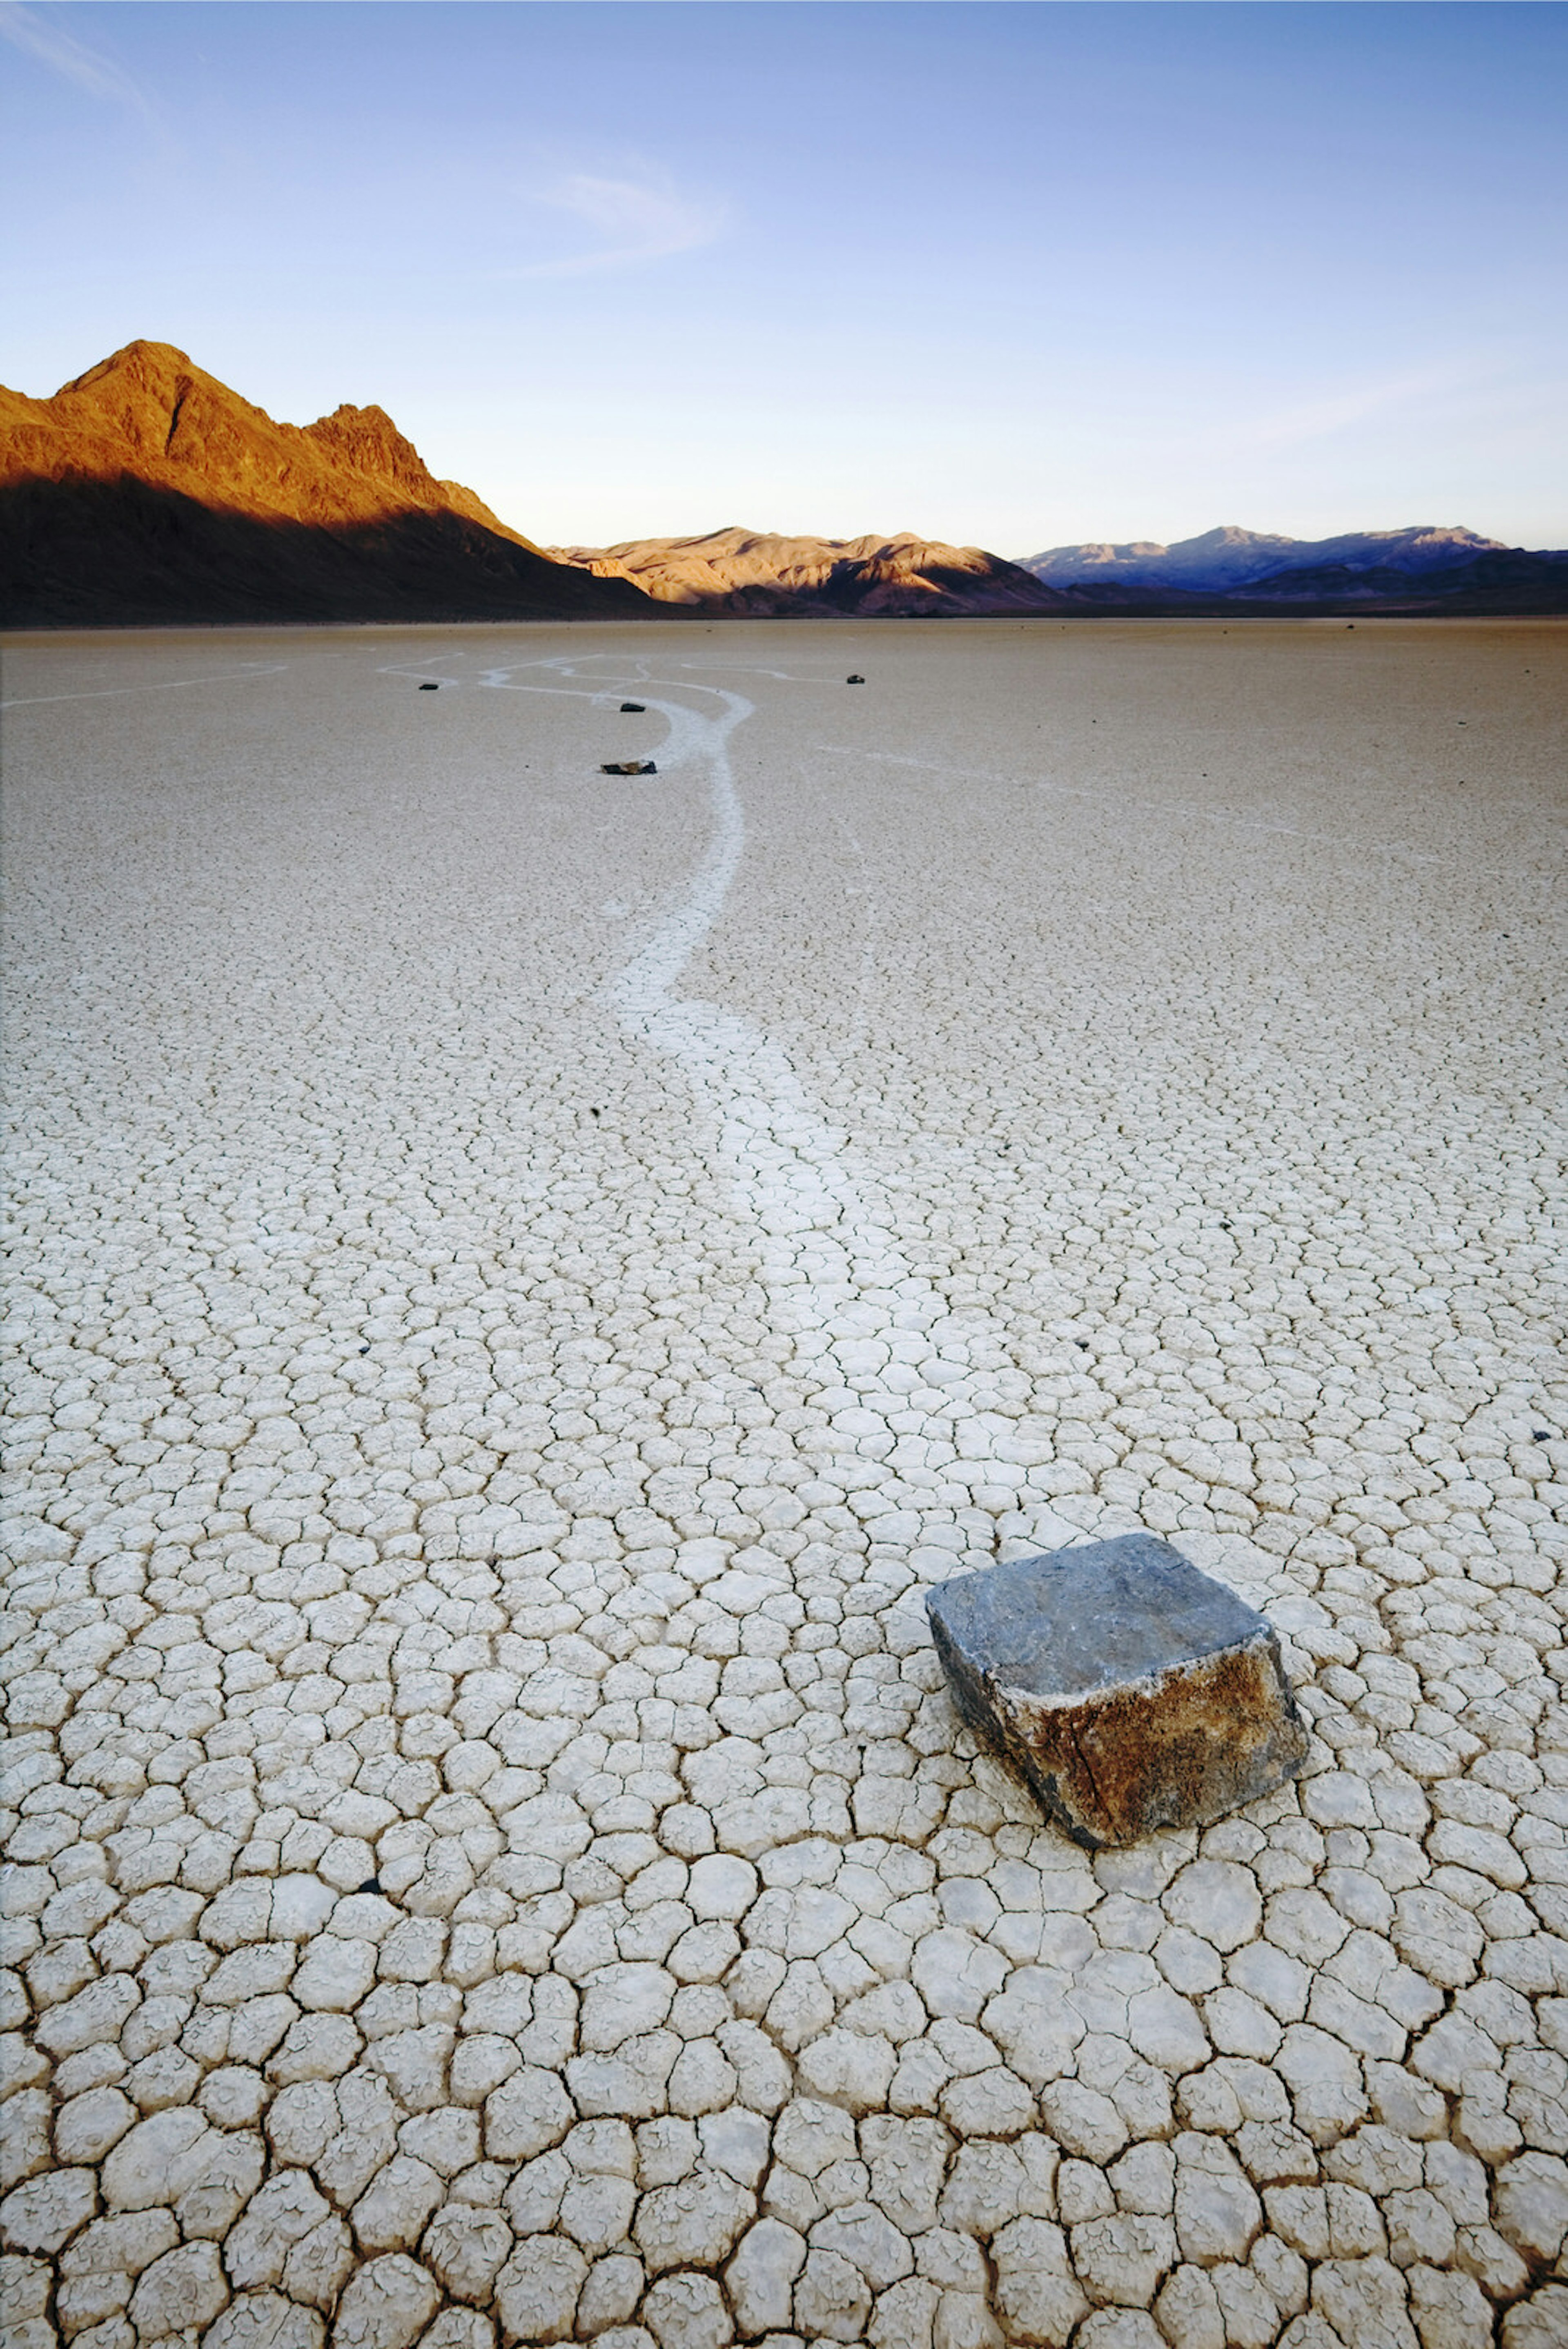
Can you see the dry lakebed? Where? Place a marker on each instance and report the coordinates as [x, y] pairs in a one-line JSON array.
[[521, 1279]]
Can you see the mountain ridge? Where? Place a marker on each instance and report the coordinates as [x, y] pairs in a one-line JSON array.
[[770, 575], [150, 402], [1223, 560], [145, 490]]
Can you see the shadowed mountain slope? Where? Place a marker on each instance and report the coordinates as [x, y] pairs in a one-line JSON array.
[[758, 573], [146, 490]]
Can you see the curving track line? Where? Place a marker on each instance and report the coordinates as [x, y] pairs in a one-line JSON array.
[[890, 1363]]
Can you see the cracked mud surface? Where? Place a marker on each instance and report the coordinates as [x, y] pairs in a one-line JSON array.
[[521, 1278]]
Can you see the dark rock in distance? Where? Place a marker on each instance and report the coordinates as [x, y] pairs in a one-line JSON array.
[[1127, 1688], [634, 707], [854, 680], [628, 766]]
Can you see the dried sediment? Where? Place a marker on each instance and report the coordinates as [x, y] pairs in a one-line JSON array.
[[1126, 1099]]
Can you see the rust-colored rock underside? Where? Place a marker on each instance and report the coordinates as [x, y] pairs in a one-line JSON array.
[[1179, 1751]]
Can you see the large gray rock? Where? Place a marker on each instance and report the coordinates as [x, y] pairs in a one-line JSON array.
[[1127, 1688]]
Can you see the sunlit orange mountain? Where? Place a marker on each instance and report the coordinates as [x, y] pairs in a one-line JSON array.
[[756, 572], [146, 490]]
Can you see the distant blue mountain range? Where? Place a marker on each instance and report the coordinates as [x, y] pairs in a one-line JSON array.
[[1263, 566]]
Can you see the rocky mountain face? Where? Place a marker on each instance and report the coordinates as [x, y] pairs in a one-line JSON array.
[[754, 572], [146, 490], [1423, 568]]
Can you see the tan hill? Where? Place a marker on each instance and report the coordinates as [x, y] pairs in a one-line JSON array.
[[758, 573], [148, 491]]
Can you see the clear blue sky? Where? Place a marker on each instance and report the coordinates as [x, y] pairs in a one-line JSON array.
[[1016, 274]]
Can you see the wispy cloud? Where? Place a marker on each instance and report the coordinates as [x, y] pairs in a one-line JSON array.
[[39, 36], [1336, 410], [633, 220]]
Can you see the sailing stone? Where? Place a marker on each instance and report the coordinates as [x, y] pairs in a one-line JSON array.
[[1127, 1688]]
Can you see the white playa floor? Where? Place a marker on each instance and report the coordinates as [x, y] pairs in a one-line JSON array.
[[521, 1278]]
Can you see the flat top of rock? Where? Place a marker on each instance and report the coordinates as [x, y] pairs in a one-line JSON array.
[[1090, 1617]]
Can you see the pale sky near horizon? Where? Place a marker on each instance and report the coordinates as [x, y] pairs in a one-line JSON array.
[[1012, 275]]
